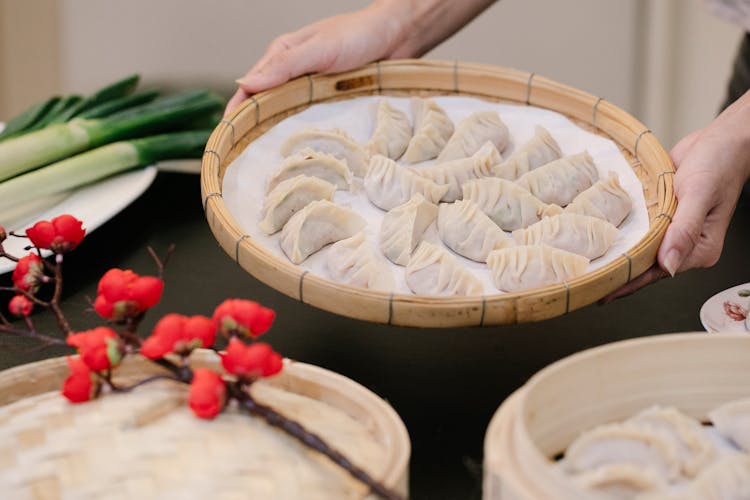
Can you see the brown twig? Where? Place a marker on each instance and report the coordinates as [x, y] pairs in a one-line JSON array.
[[153, 378], [31, 334], [161, 263], [54, 303]]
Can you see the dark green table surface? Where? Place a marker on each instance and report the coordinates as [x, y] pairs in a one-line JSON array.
[[445, 384]]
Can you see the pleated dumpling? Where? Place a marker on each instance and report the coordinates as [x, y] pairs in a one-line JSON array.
[[355, 261], [473, 132], [392, 131], [289, 197], [335, 142], [732, 420], [560, 181], [432, 129], [314, 164], [587, 236], [523, 267], [315, 226], [539, 150], [466, 230], [726, 479], [606, 199], [389, 184], [455, 172], [403, 227], [621, 481], [509, 205], [432, 270]]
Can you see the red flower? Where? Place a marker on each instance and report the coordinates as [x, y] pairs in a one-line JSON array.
[[3, 234], [122, 294], [251, 361], [20, 306], [61, 234], [100, 348], [80, 386], [208, 393], [244, 318], [735, 311], [28, 273], [177, 333]]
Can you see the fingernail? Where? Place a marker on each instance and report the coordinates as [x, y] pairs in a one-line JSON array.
[[672, 261], [242, 81]]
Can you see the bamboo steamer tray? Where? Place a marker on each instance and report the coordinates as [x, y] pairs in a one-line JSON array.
[[337, 391], [262, 111], [693, 372]]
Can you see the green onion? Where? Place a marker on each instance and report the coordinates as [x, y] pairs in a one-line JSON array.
[[113, 91], [62, 106], [27, 118], [99, 163], [107, 108]]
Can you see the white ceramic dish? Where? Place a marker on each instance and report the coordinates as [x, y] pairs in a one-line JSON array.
[[726, 312]]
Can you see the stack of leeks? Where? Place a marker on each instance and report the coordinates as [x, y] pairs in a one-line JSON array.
[[66, 142]]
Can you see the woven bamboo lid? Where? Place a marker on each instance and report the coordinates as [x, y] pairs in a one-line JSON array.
[[643, 151]]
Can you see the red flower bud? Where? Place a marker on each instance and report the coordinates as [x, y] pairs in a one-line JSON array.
[[100, 348], [81, 385], [244, 318], [177, 333], [251, 361], [3, 234], [124, 294], [20, 306], [208, 393], [28, 273], [61, 234]]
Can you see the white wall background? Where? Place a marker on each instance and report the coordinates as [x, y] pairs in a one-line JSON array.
[[665, 61]]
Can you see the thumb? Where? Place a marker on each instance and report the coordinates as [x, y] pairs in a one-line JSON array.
[[285, 65], [684, 233]]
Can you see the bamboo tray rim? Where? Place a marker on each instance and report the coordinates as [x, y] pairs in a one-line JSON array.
[[313, 88]]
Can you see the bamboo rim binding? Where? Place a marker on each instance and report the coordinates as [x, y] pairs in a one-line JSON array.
[[648, 158]]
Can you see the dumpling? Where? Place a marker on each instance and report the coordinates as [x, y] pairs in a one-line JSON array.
[[472, 133], [315, 164], [508, 205], [560, 181], [620, 481], [468, 231], [356, 262], [540, 150], [315, 226], [403, 227], [732, 420], [291, 196], [523, 267], [335, 142], [432, 270], [605, 200], [694, 447], [392, 132], [432, 128], [726, 479], [587, 236], [389, 184], [623, 444], [455, 172]]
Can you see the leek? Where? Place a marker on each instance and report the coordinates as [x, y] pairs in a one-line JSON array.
[[112, 91], [107, 108], [99, 163], [28, 118]]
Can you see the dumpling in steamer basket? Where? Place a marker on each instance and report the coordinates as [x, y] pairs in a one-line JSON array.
[[560, 181], [455, 173], [540, 150], [726, 479], [472, 133], [523, 267], [403, 227], [466, 230], [289, 197], [587, 236], [335, 142], [432, 270], [356, 262], [732, 420], [509, 205], [315, 226], [392, 132], [389, 184], [432, 129], [621, 481], [314, 164], [605, 200]]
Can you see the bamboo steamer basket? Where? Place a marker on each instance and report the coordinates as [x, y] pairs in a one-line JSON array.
[[262, 111], [691, 371], [335, 390]]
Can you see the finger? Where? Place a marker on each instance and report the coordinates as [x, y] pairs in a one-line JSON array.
[[681, 148], [235, 101], [684, 233], [652, 275]]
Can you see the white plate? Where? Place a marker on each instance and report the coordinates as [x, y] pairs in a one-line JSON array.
[[94, 204], [714, 316]]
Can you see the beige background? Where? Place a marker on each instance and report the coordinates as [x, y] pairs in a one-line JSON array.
[[665, 61]]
